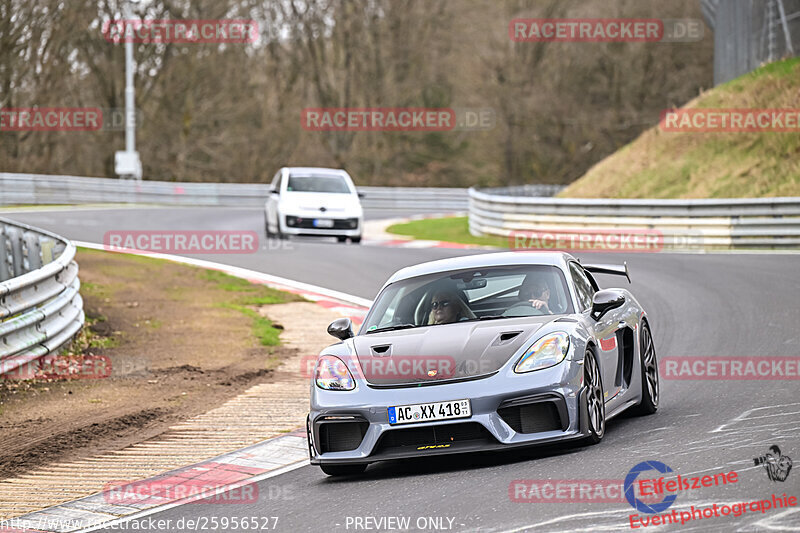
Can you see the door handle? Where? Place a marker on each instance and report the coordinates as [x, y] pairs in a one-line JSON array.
[[622, 324]]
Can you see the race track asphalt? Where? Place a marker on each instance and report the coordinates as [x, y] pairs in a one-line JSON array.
[[699, 305]]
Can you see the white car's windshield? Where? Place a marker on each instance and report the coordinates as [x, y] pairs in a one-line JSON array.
[[475, 294], [329, 184]]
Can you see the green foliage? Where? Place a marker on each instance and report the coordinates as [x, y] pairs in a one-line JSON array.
[[449, 229]]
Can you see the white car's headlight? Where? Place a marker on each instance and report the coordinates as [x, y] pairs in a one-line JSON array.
[[333, 374], [546, 352]]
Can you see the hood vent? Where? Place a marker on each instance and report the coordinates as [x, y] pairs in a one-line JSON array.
[[505, 337]]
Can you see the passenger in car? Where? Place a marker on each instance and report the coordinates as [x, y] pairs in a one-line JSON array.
[[447, 307]]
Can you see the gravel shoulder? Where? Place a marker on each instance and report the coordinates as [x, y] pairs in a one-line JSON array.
[[180, 341]]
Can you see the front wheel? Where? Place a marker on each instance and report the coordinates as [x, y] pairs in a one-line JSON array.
[[343, 470], [649, 370], [595, 400], [356, 240], [266, 227]]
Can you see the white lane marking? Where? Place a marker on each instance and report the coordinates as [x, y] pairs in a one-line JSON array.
[[766, 522], [241, 273], [185, 501], [744, 416]]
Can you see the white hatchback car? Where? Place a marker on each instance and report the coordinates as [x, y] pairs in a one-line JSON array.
[[314, 201]]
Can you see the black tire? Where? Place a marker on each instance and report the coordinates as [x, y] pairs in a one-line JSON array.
[[266, 227], [356, 240], [595, 399], [649, 372], [341, 238], [343, 470]]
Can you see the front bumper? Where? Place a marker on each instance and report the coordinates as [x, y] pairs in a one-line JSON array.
[[557, 390], [303, 225]]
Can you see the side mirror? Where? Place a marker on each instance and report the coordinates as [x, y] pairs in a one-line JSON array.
[[273, 190], [606, 300], [341, 328], [361, 194]]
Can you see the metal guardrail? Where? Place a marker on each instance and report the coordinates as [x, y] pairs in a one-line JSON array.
[[40, 306], [27, 189], [713, 223]]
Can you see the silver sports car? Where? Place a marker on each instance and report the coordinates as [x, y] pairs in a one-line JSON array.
[[484, 352]]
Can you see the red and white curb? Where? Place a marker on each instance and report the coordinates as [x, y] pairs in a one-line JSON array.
[[206, 480], [375, 234]]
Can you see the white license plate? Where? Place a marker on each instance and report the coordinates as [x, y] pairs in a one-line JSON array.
[[323, 223], [427, 412]]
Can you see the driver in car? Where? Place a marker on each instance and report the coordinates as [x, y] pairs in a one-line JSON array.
[[537, 293]]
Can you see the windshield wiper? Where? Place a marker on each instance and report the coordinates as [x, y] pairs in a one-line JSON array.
[[391, 328], [491, 317]]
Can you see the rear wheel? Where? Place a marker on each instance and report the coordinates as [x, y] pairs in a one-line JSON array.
[[649, 370], [595, 400], [343, 470], [341, 238], [356, 240]]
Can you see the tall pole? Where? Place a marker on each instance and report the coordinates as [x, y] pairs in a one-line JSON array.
[[127, 163], [130, 113]]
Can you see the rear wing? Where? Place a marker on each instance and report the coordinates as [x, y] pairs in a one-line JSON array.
[[617, 270]]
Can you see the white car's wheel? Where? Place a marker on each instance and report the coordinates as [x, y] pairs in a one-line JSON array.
[[266, 226]]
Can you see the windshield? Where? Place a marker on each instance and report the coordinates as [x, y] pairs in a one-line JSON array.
[[331, 184], [470, 295]]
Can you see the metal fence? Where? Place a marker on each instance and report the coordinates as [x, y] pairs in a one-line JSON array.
[[748, 33], [24, 189], [683, 224], [40, 306]]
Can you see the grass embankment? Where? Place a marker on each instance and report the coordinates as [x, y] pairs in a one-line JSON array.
[[177, 340], [661, 164], [245, 297], [449, 229]]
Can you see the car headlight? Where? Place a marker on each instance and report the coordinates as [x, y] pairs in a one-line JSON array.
[[544, 353], [333, 374]]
